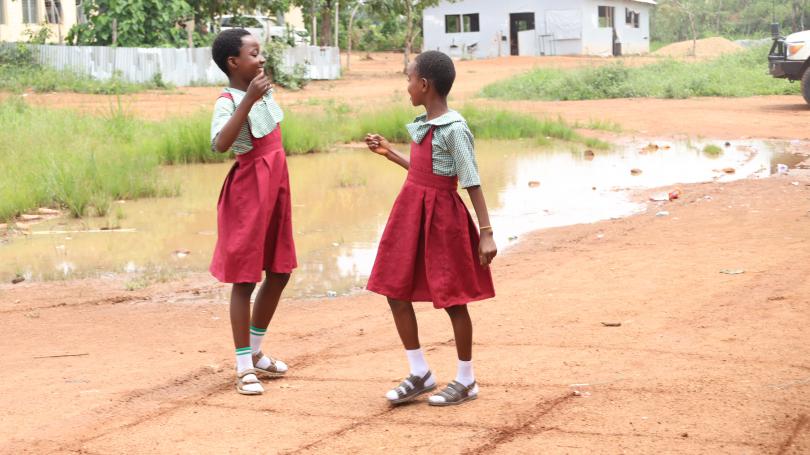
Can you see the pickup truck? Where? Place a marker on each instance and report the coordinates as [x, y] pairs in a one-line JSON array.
[[789, 58]]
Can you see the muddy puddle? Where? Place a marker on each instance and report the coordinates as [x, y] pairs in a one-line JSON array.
[[341, 203]]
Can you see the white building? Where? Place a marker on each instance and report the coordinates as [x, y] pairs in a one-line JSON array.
[[492, 28], [19, 16]]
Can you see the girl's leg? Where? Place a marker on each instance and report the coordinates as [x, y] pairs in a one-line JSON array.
[[247, 384], [405, 320], [464, 387], [462, 330], [240, 313], [263, 310], [267, 299], [420, 381]]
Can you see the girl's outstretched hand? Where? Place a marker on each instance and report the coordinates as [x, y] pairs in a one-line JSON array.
[[486, 248], [378, 144]]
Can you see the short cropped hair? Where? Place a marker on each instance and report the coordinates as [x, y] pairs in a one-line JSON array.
[[227, 44], [438, 68]]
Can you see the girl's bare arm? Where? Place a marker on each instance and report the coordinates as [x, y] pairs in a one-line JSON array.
[[487, 250]]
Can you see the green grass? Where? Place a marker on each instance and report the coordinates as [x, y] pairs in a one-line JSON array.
[[42, 79], [712, 150], [739, 74], [59, 158], [19, 72]]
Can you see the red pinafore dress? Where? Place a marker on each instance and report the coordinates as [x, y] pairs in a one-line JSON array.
[[254, 215], [429, 248]]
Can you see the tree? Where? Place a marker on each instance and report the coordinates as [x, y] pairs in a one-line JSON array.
[[412, 12], [132, 23], [350, 36]]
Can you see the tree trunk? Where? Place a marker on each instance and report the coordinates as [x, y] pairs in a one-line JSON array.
[[349, 38], [326, 25], [337, 25], [408, 35]]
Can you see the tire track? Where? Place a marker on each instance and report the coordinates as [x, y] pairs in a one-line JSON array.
[[525, 425]]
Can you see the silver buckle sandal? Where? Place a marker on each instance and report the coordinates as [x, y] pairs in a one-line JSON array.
[[411, 387]]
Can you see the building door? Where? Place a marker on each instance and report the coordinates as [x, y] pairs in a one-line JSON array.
[[607, 19], [518, 22]]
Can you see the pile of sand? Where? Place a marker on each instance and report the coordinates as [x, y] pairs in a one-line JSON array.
[[709, 47]]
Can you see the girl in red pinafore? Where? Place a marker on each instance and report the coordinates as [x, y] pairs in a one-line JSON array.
[[431, 251], [254, 220]]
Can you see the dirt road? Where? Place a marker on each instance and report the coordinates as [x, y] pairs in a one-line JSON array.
[[703, 362]]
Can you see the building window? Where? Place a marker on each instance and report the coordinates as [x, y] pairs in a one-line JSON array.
[[30, 13], [471, 23], [606, 17], [53, 10], [452, 23], [632, 18]]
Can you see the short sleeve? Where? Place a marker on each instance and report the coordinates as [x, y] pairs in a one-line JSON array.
[[223, 110], [461, 145]]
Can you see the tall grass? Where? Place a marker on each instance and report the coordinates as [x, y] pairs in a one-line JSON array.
[[743, 73], [55, 158], [82, 162]]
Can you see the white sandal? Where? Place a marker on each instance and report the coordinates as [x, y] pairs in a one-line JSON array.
[[244, 378]]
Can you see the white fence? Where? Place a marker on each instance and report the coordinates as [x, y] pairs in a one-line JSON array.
[[177, 66]]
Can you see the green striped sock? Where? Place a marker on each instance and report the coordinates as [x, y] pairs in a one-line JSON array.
[[244, 359], [256, 337]]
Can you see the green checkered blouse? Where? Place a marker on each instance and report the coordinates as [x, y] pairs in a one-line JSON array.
[[263, 118], [453, 146]]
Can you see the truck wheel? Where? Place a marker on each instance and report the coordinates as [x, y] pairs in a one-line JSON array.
[[806, 85]]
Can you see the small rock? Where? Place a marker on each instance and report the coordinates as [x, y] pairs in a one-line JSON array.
[[635, 171], [589, 155], [729, 170], [684, 435], [732, 271], [650, 148], [331, 294], [794, 183], [181, 253], [662, 213], [612, 324], [534, 184], [18, 279], [728, 144]]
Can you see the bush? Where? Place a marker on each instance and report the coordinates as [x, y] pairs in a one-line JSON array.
[[291, 78]]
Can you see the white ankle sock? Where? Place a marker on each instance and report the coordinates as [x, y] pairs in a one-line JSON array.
[[465, 374], [416, 359], [256, 338], [244, 359]]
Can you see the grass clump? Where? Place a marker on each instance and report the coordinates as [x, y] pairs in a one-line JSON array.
[[56, 158], [712, 150], [743, 73]]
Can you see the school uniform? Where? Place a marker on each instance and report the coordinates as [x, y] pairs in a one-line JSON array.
[[254, 211], [429, 248]]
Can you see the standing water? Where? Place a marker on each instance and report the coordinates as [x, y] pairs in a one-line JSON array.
[[341, 202]]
